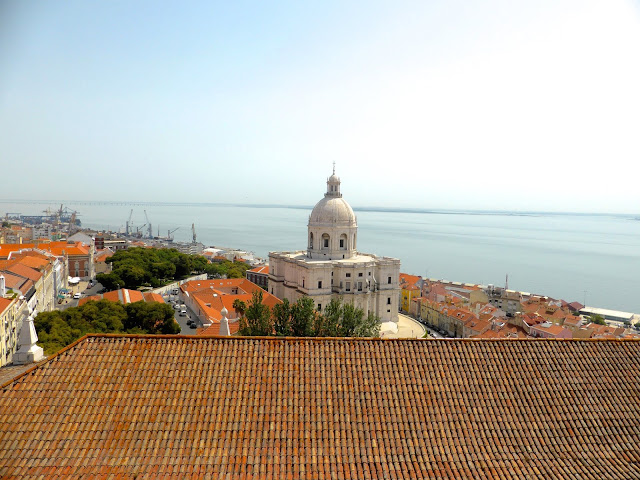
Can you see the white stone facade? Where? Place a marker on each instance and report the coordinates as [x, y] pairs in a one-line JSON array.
[[332, 267]]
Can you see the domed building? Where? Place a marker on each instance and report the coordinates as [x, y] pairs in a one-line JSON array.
[[332, 267]]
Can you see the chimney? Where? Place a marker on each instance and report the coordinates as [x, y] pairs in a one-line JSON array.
[[3, 288]]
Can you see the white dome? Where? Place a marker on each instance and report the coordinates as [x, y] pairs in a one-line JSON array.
[[333, 211]]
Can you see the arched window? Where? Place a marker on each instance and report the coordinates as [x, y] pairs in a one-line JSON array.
[[343, 241], [311, 240], [354, 242], [325, 240]]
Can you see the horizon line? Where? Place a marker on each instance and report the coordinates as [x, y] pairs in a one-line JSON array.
[[309, 207]]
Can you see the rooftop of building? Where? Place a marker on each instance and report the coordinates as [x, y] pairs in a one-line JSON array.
[[117, 406], [358, 259], [124, 296]]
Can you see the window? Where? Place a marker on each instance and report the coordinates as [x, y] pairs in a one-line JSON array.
[[311, 240], [319, 285], [359, 286], [388, 300], [360, 274], [348, 275], [369, 274], [341, 243], [388, 279], [348, 287], [319, 306]]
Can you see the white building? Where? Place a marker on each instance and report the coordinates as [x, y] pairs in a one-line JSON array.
[[332, 267]]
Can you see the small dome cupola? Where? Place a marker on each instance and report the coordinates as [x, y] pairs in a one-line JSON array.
[[333, 184]]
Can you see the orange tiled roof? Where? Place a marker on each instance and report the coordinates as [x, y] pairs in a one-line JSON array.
[[103, 255], [24, 271], [17, 283], [410, 279], [251, 408], [549, 328], [264, 269], [4, 303], [121, 295], [153, 297], [214, 329], [56, 248], [507, 332], [32, 259]]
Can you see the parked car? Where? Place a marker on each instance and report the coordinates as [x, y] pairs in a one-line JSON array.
[[177, 306], [77, 295], [183, 312], [193, 325]]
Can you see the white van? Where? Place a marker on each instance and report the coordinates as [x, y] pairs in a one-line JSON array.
[[183, 312]]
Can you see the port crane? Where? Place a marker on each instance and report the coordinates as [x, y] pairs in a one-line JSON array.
[[126, 229], [72, 222], [149, 229], [169, 233]]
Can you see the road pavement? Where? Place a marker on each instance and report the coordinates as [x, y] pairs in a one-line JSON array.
[[185, 329]]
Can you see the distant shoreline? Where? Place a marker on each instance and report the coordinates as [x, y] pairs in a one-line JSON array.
[[435, 211]]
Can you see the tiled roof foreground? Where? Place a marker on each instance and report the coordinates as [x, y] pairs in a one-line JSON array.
[[249, 408]]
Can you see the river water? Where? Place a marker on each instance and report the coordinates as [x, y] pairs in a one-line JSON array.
[[592, 259]]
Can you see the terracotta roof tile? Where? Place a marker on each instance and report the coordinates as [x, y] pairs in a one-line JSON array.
[[201, 407], [264, 269], [26, 272], [4, 303]]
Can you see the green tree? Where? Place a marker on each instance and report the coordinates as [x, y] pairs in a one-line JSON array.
[[257, 318], [345, 320], [137, 266], [110, 281], [328, 324], [153, 317], [597, 319], [133, 275], [58, 329], [282, 318], [239, 306], [303, 314]]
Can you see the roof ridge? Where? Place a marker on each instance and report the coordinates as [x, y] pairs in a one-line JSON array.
[[352, 339]]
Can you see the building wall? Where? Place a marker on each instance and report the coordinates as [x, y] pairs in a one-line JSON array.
[[369, 285], [10, 323], [260, 279]]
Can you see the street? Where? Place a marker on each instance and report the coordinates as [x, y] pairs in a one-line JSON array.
[[182, 321]]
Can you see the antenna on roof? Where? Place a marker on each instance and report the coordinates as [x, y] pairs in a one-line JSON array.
[[506, 282]]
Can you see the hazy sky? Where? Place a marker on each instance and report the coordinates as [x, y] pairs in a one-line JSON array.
[[429, 104]]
